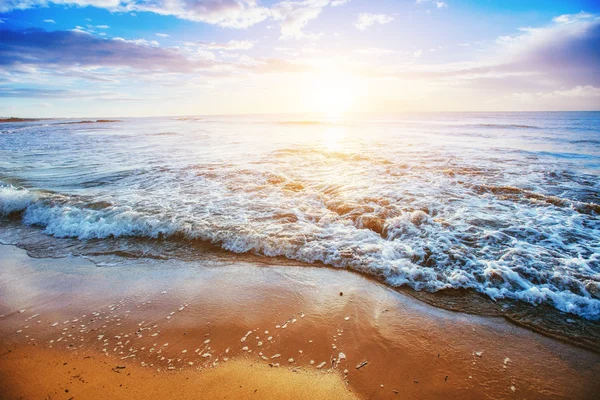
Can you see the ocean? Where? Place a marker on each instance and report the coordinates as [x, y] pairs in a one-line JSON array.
[[506, 205]]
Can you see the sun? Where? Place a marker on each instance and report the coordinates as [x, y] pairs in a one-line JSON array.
[[333, 95]]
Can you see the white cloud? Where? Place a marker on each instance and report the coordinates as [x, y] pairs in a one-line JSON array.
[[365, 20], [577, 92], [438, 4], [102, 26], [418, 53], [49, 21], [570, 18], [295, 15], [226, 13], [139, 42], [163, 35], [231, 45]]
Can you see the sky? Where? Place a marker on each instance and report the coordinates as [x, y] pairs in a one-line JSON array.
[[120, 58]]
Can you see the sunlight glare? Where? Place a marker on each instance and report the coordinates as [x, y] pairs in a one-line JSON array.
[[333, 94], [332, 138]]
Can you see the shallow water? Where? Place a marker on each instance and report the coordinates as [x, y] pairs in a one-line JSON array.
[[506, 204]]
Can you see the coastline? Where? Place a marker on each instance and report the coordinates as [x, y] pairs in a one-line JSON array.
[[216, 318]]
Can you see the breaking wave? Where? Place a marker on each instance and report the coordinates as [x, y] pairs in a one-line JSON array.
[[413, 248]]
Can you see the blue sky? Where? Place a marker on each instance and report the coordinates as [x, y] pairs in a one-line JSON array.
[[184, 57]]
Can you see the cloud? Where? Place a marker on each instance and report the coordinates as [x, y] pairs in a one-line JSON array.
[[49, 21], [587, 91], [37, 55], [226, 13], [438, 4], [163, 35], [231, 45], [567, 51], [556, 65], [365, 20], [57, 49], [295, 15], [570, 18], [36, 93]]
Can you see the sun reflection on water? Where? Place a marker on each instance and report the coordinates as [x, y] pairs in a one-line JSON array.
[[333, 137]]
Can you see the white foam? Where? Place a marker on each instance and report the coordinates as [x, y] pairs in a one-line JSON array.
[[14, 199]]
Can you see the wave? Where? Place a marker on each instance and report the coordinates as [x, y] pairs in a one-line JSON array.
[[515, 193], [413, 248], [509, 126], [85, 122]]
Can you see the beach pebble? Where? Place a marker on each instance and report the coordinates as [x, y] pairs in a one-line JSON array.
[[276, 356], [207, 341], [290, 360], [245, 348], [321, 365], [346, 318]]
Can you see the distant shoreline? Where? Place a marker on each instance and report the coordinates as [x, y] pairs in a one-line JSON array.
[[98, 121], [195, 116], [13, 119]]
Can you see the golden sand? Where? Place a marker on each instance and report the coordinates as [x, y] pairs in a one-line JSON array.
[[251, 331]]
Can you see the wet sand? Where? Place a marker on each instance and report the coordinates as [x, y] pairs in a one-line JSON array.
[[168, 329]]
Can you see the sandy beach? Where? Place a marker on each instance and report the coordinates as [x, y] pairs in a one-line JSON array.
[[223, 329]]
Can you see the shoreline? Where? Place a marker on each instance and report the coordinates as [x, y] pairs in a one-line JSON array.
[[542, 319], [410, 347]]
